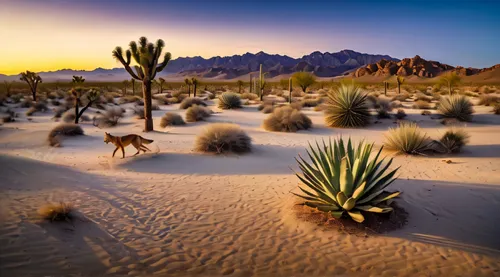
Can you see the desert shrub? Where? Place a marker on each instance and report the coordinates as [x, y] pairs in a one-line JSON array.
[[57, 212], [229, 100], [171, 119], [422, 97], [470, 94], [488, 100], [197, 113], [37, 107], [309, 103], [267, 109], [128, 99], [286, 119], [401, 114], [65, 129], [69, 117], [179, 93], [407, 138], [16, 98], [173, 100], [55, 102], [188, 102], [396, 104], [222, 138], [109, 118], [249, 96], [347, 107], [296, 93], [372, 99], [319, 108], [486, 90], [454, 139], [26, 103], [297, 105], [7, 115], [422, 105], [401, 97], [138, 112], [108, 97], [161, 100], [426, 112], [496, 108], [456, 106], [436, 96], [342, 179]]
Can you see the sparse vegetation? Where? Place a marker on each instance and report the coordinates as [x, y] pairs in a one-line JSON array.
[[286, 119], [347, 107], [222, 138], [342, 180], [37, 107], [188, 102], [109, 118], [400, 114], [488, 100], [407, 138], [303, 80], [456, 106], [62, 130], [454, 139], [422, 105], [171, 119], [229, 100], [57, 212], [496, 108], [449, 79], [32, 79], [197, 113]]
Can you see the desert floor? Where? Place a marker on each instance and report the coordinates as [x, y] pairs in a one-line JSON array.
[[184, 213]]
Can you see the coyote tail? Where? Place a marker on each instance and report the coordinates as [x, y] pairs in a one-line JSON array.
[[146, 141]]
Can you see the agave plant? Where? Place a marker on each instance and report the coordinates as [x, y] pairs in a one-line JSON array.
[[229, 100], [343, 179], [347, 107], [456, 106]]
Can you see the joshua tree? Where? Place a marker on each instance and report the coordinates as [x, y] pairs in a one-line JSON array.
[[195, 83], [8, 87], [290, 88], [251, 84], [304, 80], [133, 85], [78, 93], [32, 79], [146, 55], [262, 83], [188, 83], [78, 80], [239, 83], [161, 81], [386, 86], [400, 80], [126, 84], [450, 79]]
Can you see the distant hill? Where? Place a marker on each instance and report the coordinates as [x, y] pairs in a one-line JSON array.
[[230, 67]]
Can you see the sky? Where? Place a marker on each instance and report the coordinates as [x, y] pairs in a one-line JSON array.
[[46, 35]]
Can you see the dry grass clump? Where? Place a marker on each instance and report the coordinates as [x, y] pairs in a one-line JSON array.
[[109, 118], [26, 103], [58, 112], [486, 90], [171, 119], [57, 212], [267, 109], [456, 106], [161, 100], [407, 138], [488, 100], [69, 116], [400, 114], [249, 96], [138, 112], [297, 105], [310, 103], [297, 93], [496, 108], [223, 138], [173, 100], [401, 97], [422, 105], [197, 113], [229, 100], [128, 99], [7, 115], [454, 139], [426, 112], [188, 102], [422, 97], [37, 107], [396, 104], [287, 119], [62, 130]]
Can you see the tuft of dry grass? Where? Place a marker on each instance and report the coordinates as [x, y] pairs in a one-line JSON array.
[[400, 114], [454, 139], [55, 212], [249, 96], [188, 102], [422, 97], [197, 113], [423, 105], [37, 107], [128, 99], [426, 112], [287, 119], [496, 108], [488, 100], [222, 138], [456, 106], [69, 117], [267, 109], [109, 118], [407, 138], [401, 97], [171, 119], [62, 130]]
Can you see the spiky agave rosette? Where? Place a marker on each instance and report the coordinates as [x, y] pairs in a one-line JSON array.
[[342, 179]]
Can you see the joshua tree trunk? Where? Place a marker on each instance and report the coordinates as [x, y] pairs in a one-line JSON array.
[[251, 83], [189, 90], [385, 88], [148, 117], [399, 88], [194, 90], [77, 102]]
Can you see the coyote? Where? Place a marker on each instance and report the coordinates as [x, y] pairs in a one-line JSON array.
[[122, 142]]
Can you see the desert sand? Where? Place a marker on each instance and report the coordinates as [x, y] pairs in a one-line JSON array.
[[177, 212]]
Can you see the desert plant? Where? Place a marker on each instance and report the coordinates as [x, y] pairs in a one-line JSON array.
[[342, 179], [496, 108], [147, 57], [401, 97], [407, 138], [426, 112], [249, 96], [396, 104], [109, 118], [8, 87], [26, 103], [262, 83], [399, 80], [422, 105], [454, 139], [347, 107], [304, 80], [37, 107], [310, 103], [65, 129], [57, 212], [286, 119], [197, 113], [222, 138], [229, 100], [78, 80], [456, 106], [171, 119], [188, 102], [188, 84], [68, 116], [239, 83], [267, 109], [32, 79], [422, 97], [450, 79], [78, 93], [488, 100], [161, 82], [128, 99], [401, 114], [195, 83]]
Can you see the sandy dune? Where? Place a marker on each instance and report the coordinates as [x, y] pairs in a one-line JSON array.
[[190, 214]]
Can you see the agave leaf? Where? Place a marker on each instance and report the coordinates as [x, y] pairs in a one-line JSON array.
[[320, 193], [384, 196], [370, 196], [374, 209], [359, 191], [349, 204], [356, 216], [345, 178], [341, 198], [336, 214]]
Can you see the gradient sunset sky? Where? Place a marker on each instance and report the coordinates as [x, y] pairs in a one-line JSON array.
[[42, 35]]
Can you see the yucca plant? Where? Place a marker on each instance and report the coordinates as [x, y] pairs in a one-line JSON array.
[[342, 179], [407, 138], [347, 107], [229, 100], [454, 140], [456, 106]]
